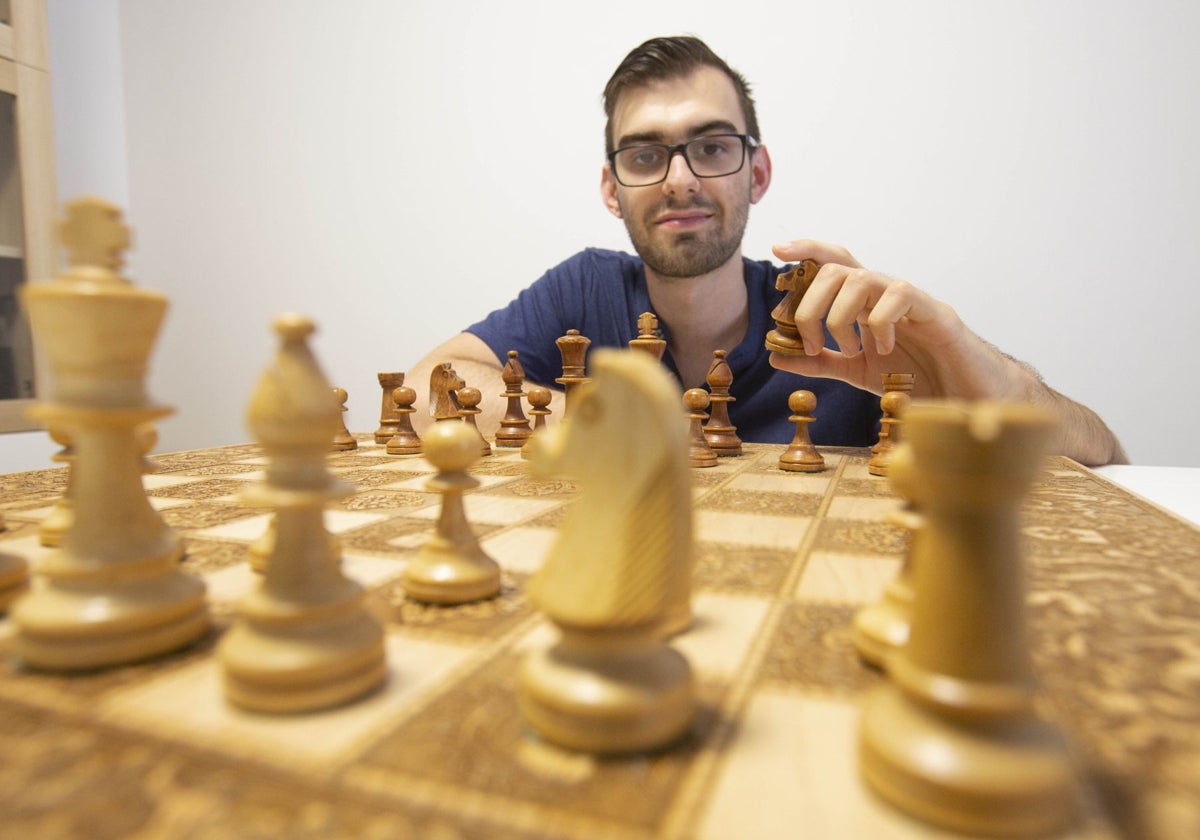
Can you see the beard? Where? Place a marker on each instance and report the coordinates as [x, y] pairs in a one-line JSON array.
[[687, 254]]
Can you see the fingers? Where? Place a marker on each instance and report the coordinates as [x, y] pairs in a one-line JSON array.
[[827, 364], [857, 306], [838, 297], [811, 249]]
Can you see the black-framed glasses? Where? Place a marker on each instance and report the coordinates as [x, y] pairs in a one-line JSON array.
[[710, 156]]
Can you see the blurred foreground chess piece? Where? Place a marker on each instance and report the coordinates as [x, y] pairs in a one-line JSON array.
[[720, 433], [881, 629], [801, 455], [343, 441], [303, 639], [514, 426], [700, 454], [539, 407], [894, 405], [389, 381], [954, 737], [14, 574], [113, 593], [55, 526], [405, 440], [450, 567], [620, 570], [785, 338], [573, 349], [648, 339], [469, 399]]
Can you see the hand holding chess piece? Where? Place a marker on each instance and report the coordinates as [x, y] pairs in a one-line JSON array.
[[303, 639], [954, 738], [113, 593], [620, 570], [451, 568]]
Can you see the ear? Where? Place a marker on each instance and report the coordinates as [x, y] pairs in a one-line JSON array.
[[608, 191], [760, 174]]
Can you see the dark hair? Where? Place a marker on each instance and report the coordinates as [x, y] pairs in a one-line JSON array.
[[670, 58]]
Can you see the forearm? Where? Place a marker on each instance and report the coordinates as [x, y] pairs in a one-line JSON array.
[[975, 369], [1081, 435]]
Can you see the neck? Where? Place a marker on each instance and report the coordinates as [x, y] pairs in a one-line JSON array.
[[702, 314]]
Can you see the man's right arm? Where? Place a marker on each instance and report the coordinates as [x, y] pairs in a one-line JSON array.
[[477, 365]]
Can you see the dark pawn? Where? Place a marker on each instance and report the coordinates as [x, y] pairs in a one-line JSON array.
[[405, 440], [468, 399], [695, 400], [342, 439], [801, 455]]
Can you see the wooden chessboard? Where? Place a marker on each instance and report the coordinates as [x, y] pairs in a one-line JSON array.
[[784, 561]]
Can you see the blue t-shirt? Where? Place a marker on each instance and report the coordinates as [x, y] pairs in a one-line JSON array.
[[601, 293]]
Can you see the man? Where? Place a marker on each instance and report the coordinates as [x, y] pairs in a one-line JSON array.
[[684, 164]]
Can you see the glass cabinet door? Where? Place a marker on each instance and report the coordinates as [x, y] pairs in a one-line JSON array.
[[28, 252]]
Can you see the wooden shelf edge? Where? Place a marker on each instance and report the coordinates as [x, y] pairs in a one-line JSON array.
[[13, 416]]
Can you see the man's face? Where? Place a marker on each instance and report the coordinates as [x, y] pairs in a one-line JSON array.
[[685, 226]]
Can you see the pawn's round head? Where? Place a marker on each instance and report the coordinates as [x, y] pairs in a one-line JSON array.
[[696, 399], [468, 397], [802, 402], [451, 445], [340, 395], [539, 397], [404, 396], [894, 403]]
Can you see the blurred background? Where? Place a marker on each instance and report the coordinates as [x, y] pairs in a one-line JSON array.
[[397, 169]]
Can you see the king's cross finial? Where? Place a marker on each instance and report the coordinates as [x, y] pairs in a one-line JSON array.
[[94, 234], [647, 324]]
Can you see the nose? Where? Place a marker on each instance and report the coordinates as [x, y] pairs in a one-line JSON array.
[[680, 177]]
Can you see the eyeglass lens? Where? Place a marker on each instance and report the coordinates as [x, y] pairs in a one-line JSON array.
[[708, 157]]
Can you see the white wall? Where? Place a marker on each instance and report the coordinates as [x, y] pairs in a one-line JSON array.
[[398, 169]]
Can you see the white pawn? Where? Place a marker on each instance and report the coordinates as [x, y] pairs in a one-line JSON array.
[[14, 574], [451, 568], [303, 639]]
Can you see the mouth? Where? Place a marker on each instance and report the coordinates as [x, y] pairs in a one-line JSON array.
[[683, 219]]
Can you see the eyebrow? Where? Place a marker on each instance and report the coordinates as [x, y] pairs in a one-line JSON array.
[[718, 126]]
